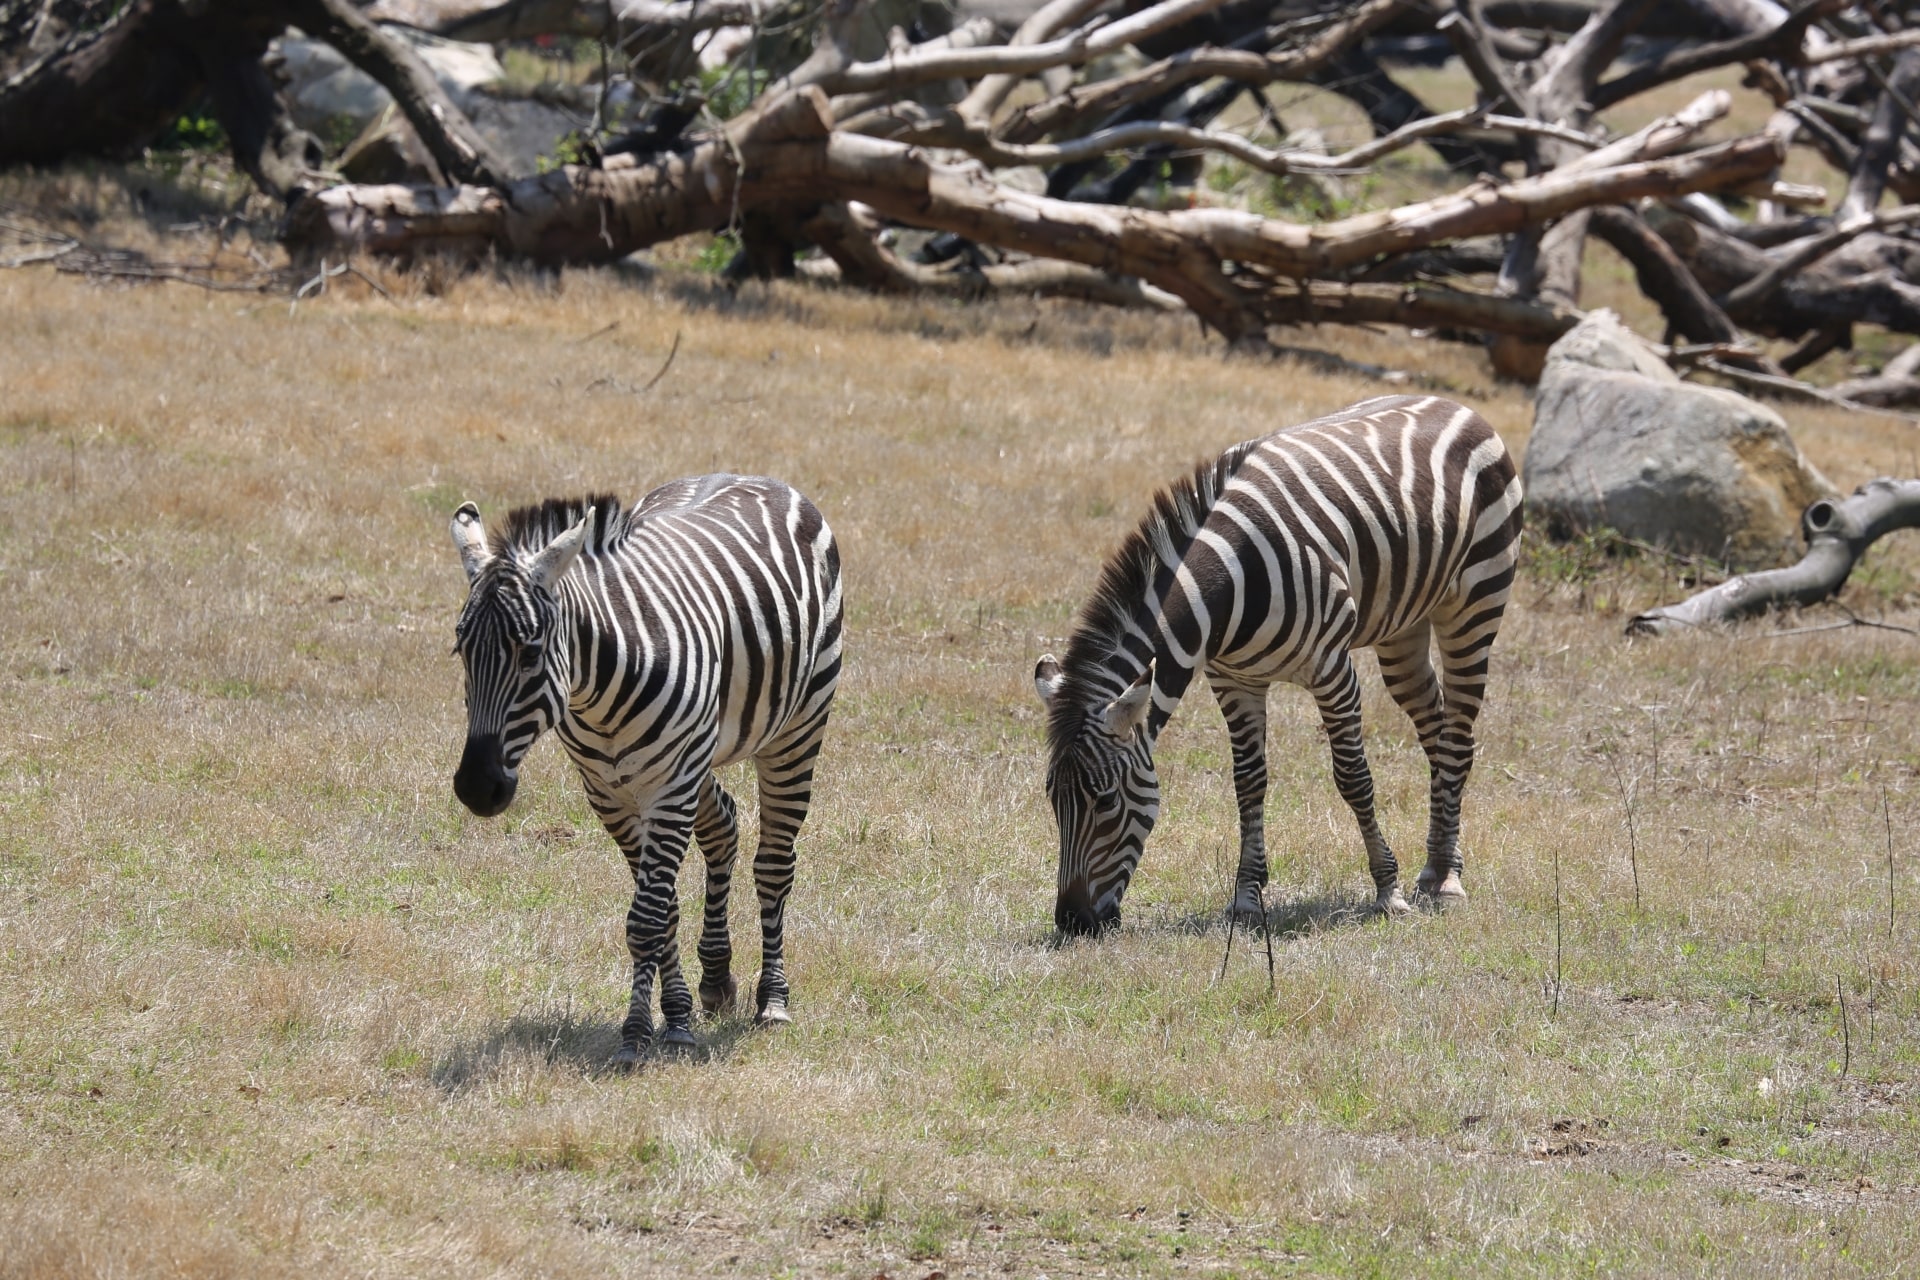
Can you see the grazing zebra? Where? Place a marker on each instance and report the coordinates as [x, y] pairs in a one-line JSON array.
[[696, 629], [1392, 524]]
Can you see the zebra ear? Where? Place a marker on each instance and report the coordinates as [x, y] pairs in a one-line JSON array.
[[1047, 676], [1126, 713], [470, 539], [557, 557]]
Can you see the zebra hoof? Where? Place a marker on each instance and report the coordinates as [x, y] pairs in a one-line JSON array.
[[774, 1015], [1443, 887], [718, 1000], [676, 1040], [1248, 907], [1389, 903], [626, 1058]]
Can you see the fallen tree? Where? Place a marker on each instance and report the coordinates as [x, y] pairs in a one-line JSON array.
[[1232, 268], [855, 119], [1837, 533]]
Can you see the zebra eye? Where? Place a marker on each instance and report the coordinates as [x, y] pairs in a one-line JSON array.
[[530, 656]]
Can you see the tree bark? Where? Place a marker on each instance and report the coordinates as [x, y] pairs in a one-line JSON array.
[[1837, 533]]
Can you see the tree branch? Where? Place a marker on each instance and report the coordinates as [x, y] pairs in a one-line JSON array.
[[1837, 533], [1782, 42], [1102, 99], [978, 106], [1804, 253], [914, 67]]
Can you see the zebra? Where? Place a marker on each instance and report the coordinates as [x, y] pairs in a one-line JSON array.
[[1393, 523], [698, 628]]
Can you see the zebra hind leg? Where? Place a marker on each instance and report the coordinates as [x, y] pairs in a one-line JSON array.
[[1465, 641], [1339, 697], [786, 791], [1406, 664], [1246, 713], [717, 828]]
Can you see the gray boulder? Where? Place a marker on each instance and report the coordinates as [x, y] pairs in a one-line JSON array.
[[329, 96], [1620, 441], [324, 90]]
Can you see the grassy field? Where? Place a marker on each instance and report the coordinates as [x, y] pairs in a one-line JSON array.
[[271, 1002]]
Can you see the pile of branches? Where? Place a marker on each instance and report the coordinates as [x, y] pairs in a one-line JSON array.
[[1037, 140]]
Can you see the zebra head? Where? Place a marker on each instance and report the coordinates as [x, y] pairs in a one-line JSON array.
[[516, 672], [1104, 792]]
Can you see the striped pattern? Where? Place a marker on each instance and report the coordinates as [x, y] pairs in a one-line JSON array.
[[699, 628], [1392, 524]]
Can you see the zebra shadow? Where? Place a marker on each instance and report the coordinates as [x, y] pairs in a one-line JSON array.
[[563, 1040], [1289, 920]]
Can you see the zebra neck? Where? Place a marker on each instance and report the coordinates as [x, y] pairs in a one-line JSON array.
[[572, 627], [1142, 610], [1173, 666]]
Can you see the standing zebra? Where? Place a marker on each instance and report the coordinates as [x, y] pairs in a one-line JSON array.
[[696, 629], [1392, 524]]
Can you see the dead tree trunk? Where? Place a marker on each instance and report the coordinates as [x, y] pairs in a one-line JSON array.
[[122, 74], [116, 83], [790, 152]]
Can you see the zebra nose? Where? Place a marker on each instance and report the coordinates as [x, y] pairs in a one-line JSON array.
[[482, 782], [1074, 914]]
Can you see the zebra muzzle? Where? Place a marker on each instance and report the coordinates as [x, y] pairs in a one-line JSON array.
[[483, 782], [1075, 915]]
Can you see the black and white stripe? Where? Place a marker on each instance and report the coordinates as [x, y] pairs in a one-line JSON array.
[[1392, 524], [699, 628]]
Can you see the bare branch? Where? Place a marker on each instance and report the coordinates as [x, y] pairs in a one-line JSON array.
[[1848, 50], [1281, 161], [917, 67], [1661, 137], [1782, 42], [1804, 253], [1243, 65], [1837, 533], [787, 153], [1663, 277], [977, 107]]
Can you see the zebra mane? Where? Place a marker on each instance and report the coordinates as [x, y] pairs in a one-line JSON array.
[[1126, 583], [528, 529]]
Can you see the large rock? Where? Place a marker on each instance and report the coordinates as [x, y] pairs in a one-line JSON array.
[[329, 96], [1619, 441]]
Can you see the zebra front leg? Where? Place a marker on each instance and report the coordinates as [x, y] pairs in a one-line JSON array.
[[1339, 698], [717, 828], [1246, 713], [653, 922]]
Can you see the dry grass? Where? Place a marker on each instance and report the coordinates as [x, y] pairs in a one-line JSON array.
[[275, 1003]]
